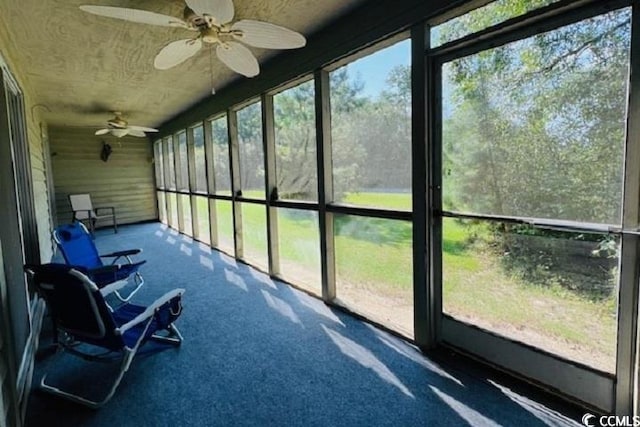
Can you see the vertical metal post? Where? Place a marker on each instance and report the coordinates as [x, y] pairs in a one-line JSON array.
[[422, 295], [325, 183], [626, 369], [177, 169], [434, 197], [269, 148], [191, 166], [211, 182], [234, 164], [167, 177]]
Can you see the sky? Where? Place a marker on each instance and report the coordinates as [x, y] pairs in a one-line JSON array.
[[374, 69]]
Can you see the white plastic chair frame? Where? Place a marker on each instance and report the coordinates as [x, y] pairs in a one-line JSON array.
[[83, 210], [128, 354]]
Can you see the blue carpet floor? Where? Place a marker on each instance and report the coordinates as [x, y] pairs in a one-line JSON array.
[[259, 352]]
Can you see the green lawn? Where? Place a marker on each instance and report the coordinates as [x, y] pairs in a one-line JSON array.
[[375, 254]]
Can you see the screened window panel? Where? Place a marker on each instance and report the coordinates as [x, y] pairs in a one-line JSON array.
[[482, 18], [374, 269], [183, 162], [251, 151], [221, 169], [550, 289], [295, 137], [536, 128], [371, 129], [171, 170], [299, 248], [224, 219], [254, 234], [158, 163], [200, 164], [185, 206], [202, 226]]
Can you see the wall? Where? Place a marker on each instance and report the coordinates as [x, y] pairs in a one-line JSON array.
[[10, 411], [36, 132], [125, 181]]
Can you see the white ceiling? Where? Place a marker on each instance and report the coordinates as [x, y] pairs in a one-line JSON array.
[[81, 66]]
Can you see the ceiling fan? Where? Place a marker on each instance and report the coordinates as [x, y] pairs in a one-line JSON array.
[[119, 127], [211, 19]]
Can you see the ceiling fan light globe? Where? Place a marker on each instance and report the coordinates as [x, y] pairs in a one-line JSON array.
[[119, 133]]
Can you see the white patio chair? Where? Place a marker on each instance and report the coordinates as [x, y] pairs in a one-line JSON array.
[[84, 211]]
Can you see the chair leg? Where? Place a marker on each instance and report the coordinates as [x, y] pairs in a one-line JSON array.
[[174, 338], [124, 366]]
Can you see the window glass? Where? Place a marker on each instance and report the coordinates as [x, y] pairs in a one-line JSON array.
[[299, 244], [182, 162], [162, 207], [202, 214], [295, 135], [536, 128], [171, 171], [374, 269], [224, 219], [184, 204], [482, 18], [172, 207], [199, 160], [220, 141], [157, 161], [251, 151], [371, 129], [554, 290], [254, 234]]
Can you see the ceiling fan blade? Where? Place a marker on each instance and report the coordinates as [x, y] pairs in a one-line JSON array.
[[267, 35], [135, 15], [238, 58], [138, 133], [102, 131], [221, 10], [142, 128], [119, 133], [176, 53]]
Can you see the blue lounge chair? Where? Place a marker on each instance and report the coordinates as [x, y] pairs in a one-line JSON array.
[[78, 248], [87, 324]]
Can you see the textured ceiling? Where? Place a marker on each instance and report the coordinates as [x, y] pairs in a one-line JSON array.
[[81, 66]]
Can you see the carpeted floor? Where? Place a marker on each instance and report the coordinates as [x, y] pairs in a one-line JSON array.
[[259, 352]]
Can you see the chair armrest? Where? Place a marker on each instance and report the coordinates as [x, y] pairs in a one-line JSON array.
[[112, 287], [122, 253], [150, 310]]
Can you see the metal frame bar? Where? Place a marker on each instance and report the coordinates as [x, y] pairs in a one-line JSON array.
[[627, 351], [191, 177], [423, 310], [178, 175], [211, 181], [271, 188], [234, 166], [325, 184]]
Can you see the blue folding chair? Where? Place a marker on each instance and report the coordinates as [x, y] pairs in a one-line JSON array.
[[87, 324], [78, 248]]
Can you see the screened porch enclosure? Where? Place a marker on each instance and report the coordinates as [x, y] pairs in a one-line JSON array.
[[469, 182]]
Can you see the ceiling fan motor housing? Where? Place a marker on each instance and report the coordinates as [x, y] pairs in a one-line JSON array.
[[117, 123]]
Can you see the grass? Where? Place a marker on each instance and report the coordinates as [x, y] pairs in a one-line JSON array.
[[374, 257]]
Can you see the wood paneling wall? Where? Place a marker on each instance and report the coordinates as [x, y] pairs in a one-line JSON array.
[[125, 181], [36, 134]]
